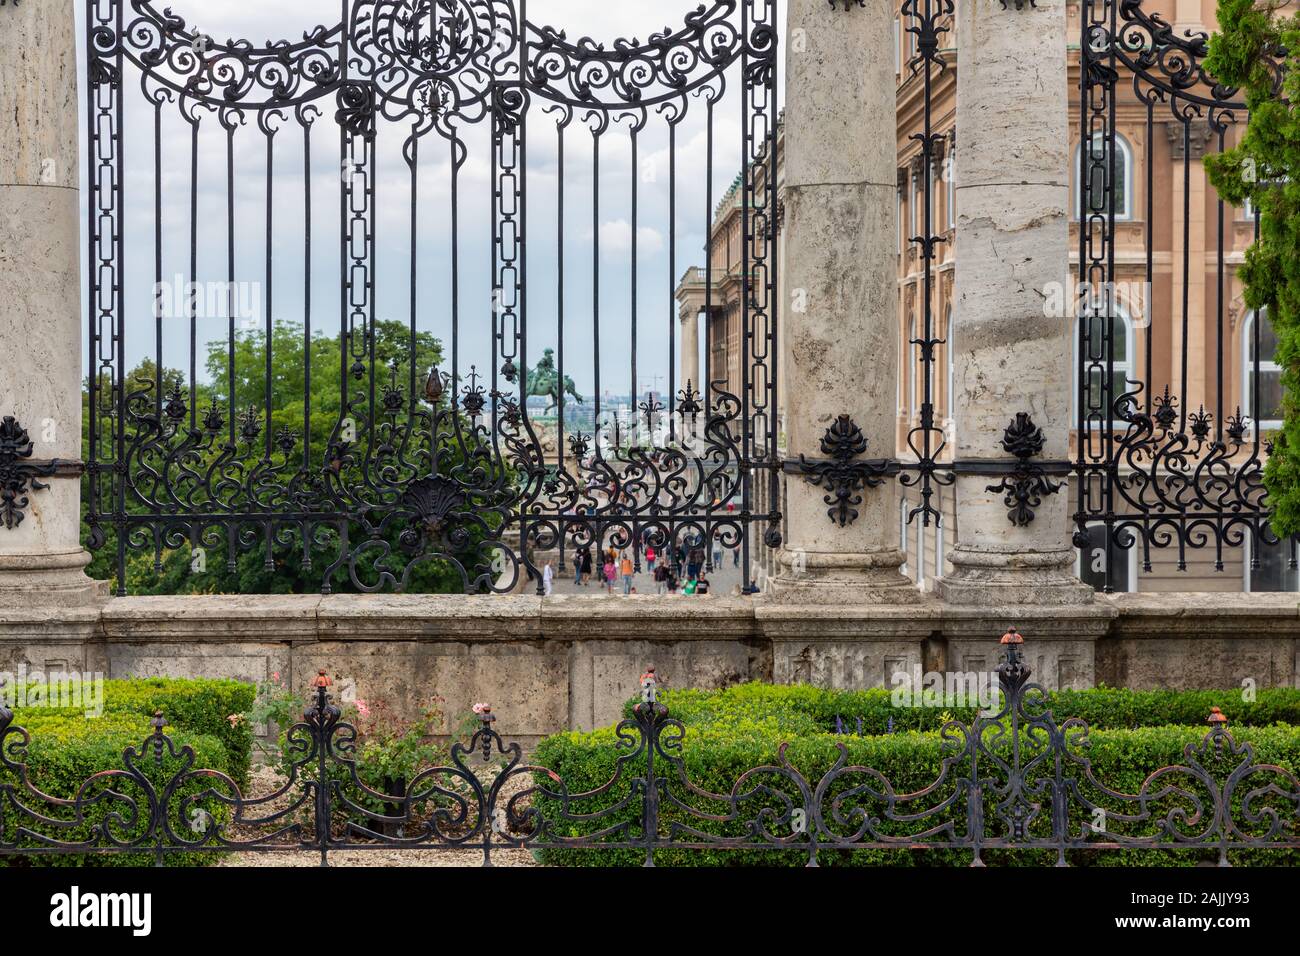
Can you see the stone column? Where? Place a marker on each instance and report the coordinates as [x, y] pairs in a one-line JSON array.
[[41, 558], [840, 306], [1012, 246], [689, 370]]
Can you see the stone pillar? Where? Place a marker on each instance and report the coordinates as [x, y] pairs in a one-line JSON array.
[[840, 304], [41, 557], [689, 370], [1012, 245]]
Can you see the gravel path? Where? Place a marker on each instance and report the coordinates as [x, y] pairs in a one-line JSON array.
[[265, 780]]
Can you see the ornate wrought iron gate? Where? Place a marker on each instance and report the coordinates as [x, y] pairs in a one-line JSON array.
[[1169, 451], [386, 458]]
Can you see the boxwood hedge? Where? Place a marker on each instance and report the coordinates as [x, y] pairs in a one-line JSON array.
[[64, 752], [868, 712], [196, 706]]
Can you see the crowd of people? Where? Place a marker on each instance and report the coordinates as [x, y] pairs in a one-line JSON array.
[[682, 570]]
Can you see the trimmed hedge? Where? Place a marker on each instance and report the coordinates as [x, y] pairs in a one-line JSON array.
[[64, 752], [803, 709], [732, 731], [197, 706]]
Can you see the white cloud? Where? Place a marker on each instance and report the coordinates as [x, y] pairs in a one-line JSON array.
[[616, 238]]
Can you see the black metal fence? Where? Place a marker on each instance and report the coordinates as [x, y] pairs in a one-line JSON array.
[[392, 445], [1016, 779], [1177, 387]]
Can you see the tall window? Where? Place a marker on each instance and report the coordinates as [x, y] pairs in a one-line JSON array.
[[898, 220], [1122, 352], [1261, 382], [920, 554], [950, 187], [909, 364], [918, 198], [902, 531], [1096, 167], [1274, 572], [950, 356]]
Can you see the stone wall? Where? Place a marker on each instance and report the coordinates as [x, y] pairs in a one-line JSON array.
[[547, 664]]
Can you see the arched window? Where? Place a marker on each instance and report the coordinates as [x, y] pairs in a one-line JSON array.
[[1122, 349], [1261, 381], [1095, 167]]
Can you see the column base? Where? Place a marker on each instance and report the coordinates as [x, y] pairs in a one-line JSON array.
[[990, 579], [52, 578], [805, 577]]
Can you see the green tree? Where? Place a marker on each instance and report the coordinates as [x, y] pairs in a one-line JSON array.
[[1257, 39], [300, 444]]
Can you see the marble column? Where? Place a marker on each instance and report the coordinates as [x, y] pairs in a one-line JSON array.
[[689, 369], [1012, 248], [840, 305], [41, 558]]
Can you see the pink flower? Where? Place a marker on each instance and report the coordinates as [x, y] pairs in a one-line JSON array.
[[276, 677], [363, 708], [235, 719], [481, 708]]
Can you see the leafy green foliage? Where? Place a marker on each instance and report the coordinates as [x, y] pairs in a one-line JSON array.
[[1265, 169], [212, 708], [284, 570], [800, 709]]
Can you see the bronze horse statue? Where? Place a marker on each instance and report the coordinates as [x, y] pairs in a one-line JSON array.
[[545, 380]]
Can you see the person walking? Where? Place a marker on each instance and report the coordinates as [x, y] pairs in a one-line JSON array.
[[717, 549], [609, 571], [650, 558], [694, 561], [548, 578], [577, 568], [586, 565], [661, 579], [625, 567]]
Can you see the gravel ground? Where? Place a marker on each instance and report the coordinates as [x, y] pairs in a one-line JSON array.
[[266, 780]]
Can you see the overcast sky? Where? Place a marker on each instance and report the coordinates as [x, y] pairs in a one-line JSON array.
[[603, 20]]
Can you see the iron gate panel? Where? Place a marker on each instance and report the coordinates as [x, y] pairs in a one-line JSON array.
[[428, 457], [1161, 462]]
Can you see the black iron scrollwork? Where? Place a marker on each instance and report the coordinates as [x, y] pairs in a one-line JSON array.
[[842, 473], [19, 474], [1016, 778], [1027, 485]]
